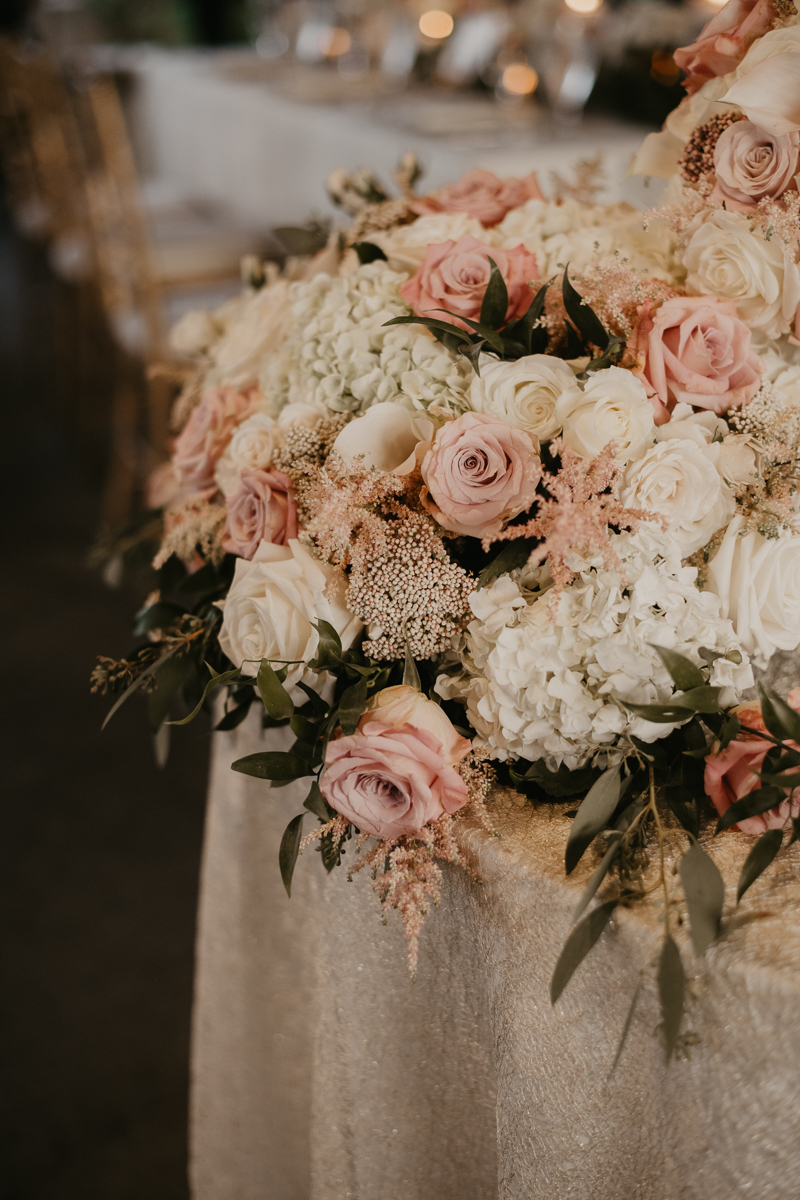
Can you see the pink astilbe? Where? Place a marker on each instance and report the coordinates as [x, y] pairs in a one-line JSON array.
[[580, 517]]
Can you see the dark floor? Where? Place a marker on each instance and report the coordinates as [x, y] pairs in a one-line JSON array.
[[99, 851]]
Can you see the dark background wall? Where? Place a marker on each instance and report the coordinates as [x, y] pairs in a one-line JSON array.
[[99, 851]]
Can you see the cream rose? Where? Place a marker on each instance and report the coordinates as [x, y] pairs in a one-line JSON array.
[[250, 449], [613, 406], [271, 605], [403, 705], [524, 393], [738, 459], [385, 437], [681, 481], [724, 258], [758, 582], [406, 245], [262, 325], [194, 333], [767, 82]]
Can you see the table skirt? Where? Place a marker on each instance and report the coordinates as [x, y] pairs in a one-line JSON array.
[[320, 1071]]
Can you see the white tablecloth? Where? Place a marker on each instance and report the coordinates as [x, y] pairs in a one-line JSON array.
[[209, 128], [320, 1072]]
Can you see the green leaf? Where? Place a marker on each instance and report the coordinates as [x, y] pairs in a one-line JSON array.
[[137, 683], [685, 807], [156, 616], [290, 848], [495, 299], [316, 803], [795, 831], [781, 720], [329, 650], [671, 984], [410, 673], [352, 705], [751, 805], [660, 714], [602, 869], [368, 252], [683, 671], [234, 718], [759, 859], [704, 699], [277, 700], [319, 705], [729, 731], [522, 330], [584, 318], [272, 764], [432, 323], [170, 678], [593, 816], [560, 783], [470, 350], [610, 356], [301, 241], [626, 1027], [577, 946], [513, 554], [786, 782], [484, 331], [704, 889], [214, 682]]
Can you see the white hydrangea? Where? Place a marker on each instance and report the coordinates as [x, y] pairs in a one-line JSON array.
[[342, 355], [538, 688], [582, 235]]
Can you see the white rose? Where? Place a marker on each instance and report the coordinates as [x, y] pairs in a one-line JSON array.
[[524, 393], [194, 333], [386, 437], [681, 481], [613, 406], [405, 246], [767, 82], [725, 259], [261, 326], [250, 449], [271, 605], [757, 580], [301, 413], [738, 459], [699, 427]]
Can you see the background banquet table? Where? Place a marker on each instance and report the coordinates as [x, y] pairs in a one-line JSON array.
[[224, 128], [321, 1071]]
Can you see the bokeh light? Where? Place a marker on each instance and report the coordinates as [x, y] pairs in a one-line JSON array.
[[583, 6], [519, 79], [334, 41], [436, 24]]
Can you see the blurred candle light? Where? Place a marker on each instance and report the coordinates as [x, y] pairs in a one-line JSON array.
[[518, 79], [584, 7], [436, 24], [334, 41]]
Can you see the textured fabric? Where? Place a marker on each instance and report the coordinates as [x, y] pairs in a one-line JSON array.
[[320, 1072]]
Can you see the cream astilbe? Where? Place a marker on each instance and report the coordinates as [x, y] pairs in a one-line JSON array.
[[547, 682], [191, 528], [342, 354]]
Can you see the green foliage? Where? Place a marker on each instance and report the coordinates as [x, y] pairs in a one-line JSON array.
[[759, 859], [368, 252], [704, 890], [277, 700], [289, 850], [512, 555], [594, 814], [554, 784], [577, 946], [671, 988]]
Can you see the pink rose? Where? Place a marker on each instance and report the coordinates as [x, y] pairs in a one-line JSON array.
[[724, 41], [751, 165], [263, 510], [391, 779], [479, 473], [454, 276], [482, 195], [207, 433], [403, 705], [731, 775], [695, 350]]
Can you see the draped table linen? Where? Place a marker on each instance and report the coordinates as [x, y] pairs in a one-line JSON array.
[[321, 1071]]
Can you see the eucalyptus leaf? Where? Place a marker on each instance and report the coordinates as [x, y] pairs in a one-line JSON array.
[[513, 554], [170, 678], [584, 318], [602, 869], [329, 650], [704, 699], [729, 731], [351, 706], [593, 815], [685, 807], [214, 682], [671, 987], [661, 714], [495, 299], [759, 859], [319, 705], [684, 673], [289, 850], [315, 803], [577, 946], [781, 720], [704, 890], [137, 683], [751, 805], [626, 1027], [368, 252], [277, 700], [275, 765]]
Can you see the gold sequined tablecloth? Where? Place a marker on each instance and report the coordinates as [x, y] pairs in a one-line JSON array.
[[320, 1072]]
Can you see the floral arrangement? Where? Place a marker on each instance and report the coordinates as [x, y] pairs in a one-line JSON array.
[[498, 490]]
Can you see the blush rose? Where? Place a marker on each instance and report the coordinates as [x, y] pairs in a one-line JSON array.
[[695, 350], [723, 42], [480, 194], [479, 473], [396, 773], [731, 775], [206, 435], [751, 164], [454, 276], [263, 510]]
